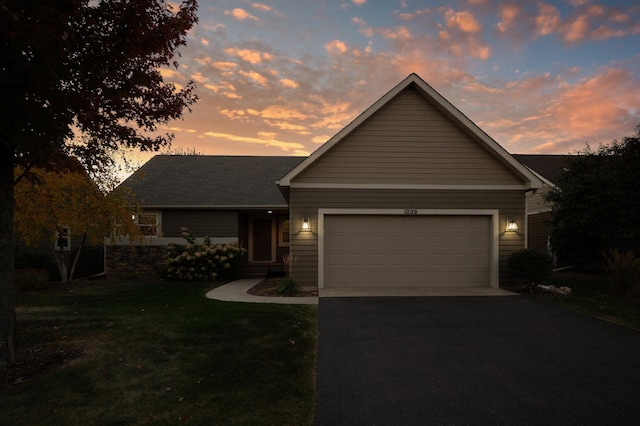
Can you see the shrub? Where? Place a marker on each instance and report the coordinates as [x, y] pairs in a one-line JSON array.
[[530, 265], [203, 262], [38, 261], [623, 268], [30, 279], [287, 286]]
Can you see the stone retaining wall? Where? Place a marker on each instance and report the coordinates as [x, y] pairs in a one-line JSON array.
[[135, 262]]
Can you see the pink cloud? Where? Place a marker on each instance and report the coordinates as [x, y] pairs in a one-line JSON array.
[[508, 17], [548, 19]]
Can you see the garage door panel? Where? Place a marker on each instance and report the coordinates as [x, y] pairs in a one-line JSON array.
[[407, 251]]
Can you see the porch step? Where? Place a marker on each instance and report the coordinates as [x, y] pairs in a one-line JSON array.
[[254, 271]]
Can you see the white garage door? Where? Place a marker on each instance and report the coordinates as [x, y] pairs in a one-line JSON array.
[[406, 251]]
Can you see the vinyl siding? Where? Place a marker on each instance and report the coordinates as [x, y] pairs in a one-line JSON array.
[[201, 223], [408, 141], [306, 202], [536, 203], [539, 229]]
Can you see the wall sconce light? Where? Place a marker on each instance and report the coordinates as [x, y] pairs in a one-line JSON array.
[[512, 226], [305, 225]]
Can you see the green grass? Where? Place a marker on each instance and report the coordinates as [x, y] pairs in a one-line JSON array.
[[591, 296], [162, 353]]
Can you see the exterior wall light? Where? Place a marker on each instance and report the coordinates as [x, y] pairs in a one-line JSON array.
[[305, 225], [512, 226]]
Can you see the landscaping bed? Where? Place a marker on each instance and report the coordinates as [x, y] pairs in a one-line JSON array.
[[268, 286]]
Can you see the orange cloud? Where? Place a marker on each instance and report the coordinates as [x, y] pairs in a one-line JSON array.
[[224, 66], [463, 21], [261, 6], [241, 15], [171, 74], [336, 46], [199, 77], [270, 142], [249, 55], [398, 33], [287, 82], [255, 76], [320, 138]]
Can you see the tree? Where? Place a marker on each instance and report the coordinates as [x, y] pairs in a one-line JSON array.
[[595, 204], [51, 204], [70, 67]]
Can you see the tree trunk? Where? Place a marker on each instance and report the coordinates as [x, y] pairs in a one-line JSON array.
[[75, 259], [8, 323], [58, 254]]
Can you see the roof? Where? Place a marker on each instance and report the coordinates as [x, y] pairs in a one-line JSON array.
[[548, 166], [529, 178], [210, 181]]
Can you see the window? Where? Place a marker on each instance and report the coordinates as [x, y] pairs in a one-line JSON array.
[[149, 224], [283, 231], [63, 239]]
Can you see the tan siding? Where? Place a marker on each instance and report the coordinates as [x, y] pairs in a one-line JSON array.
[[536, 203], [539, 230], [408, 141], [305, 203], [201, 223]]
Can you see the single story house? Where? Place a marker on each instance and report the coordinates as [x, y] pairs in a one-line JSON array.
[[411, 193]]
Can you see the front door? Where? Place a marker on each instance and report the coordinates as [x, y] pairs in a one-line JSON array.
[[262, 240]]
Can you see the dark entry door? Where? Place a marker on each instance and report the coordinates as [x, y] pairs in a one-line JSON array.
[[262, 240]]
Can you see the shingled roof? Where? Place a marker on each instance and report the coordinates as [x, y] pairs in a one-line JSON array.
[[211, 181], [547, 166]]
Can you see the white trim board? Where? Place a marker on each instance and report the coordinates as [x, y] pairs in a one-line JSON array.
[[494, 244], [409, 186]]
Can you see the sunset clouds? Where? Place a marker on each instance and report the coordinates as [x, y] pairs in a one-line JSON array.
[[539, 77]]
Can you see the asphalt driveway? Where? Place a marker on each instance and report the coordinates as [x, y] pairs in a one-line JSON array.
[[472, 360]]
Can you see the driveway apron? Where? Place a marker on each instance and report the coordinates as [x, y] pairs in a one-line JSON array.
[[472, 360]]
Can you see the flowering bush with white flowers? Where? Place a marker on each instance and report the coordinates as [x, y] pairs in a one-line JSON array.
[[203, 262]]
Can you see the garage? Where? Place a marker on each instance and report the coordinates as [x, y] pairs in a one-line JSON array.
[[407, 251]]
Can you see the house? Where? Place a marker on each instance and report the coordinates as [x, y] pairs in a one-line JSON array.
[[227, 198], [411, 193], [539, 216]]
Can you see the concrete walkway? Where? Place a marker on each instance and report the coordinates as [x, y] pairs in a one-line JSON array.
[[236, 291]]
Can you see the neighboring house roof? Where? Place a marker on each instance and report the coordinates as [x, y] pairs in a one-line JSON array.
[[547, 166], [413, 80], [210, 181]]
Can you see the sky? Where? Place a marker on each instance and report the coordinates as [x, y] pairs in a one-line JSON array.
[[281, 77]]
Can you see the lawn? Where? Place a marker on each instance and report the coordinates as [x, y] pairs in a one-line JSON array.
[[591, 296], [159, 352]]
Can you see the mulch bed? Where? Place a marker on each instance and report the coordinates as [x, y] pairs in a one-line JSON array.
[[268, 288]]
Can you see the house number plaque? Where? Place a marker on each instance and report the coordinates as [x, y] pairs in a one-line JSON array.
[[411, 212]]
